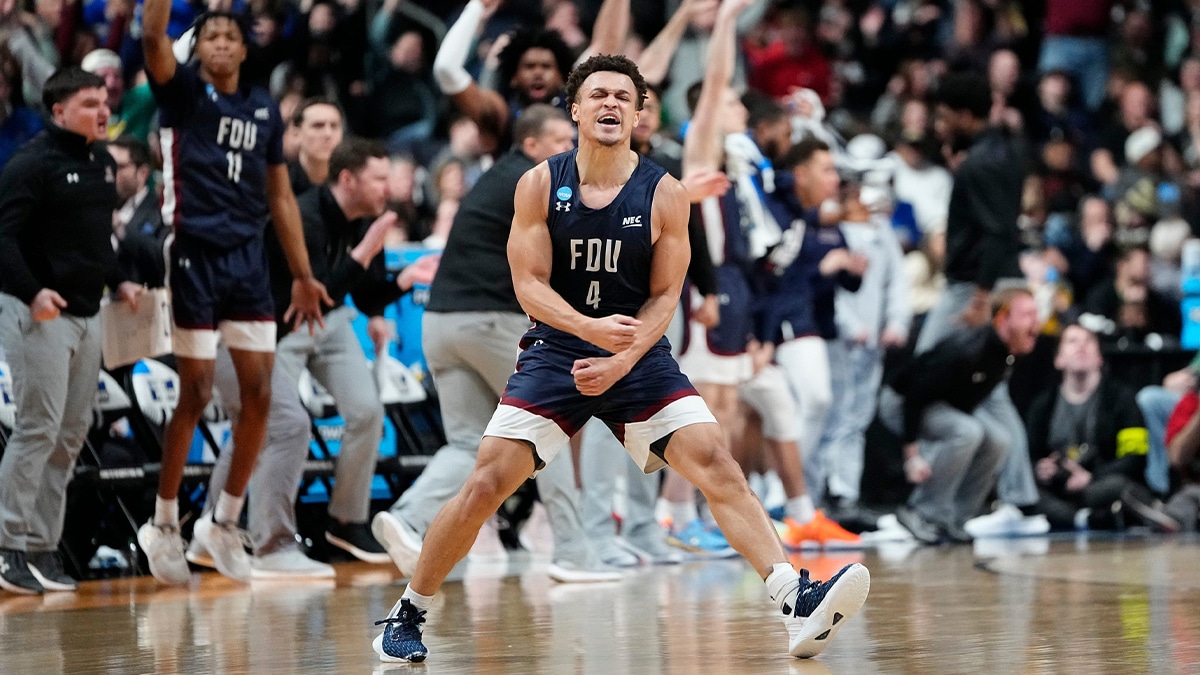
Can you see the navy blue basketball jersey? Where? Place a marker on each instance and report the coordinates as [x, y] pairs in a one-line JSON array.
[[602, 257], [216, 149]]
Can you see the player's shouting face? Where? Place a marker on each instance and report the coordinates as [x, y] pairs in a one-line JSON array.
[[606, 108], [220, 46]]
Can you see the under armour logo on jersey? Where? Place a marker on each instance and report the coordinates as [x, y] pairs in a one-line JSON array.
[[3, 566], [564, 199], [185, 263], [108, 175], [632, 221], [72, 177], [262, 114]]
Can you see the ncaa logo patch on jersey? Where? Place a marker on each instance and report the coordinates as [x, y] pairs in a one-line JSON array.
[[564, 195]]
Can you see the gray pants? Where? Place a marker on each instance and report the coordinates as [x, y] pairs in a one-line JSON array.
[[1017, 485], [55, 365], [471, 356], [964, 450], [334, 358], [602, 458], [855, 374]]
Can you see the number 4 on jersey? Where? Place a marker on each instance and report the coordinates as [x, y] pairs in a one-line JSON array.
[[593, 296]]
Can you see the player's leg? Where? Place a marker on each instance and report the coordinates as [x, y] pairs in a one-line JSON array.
[[502, 467], [471, 356], [805, 363], [813, 611], [698, 452], [663, 423], [218, 533]]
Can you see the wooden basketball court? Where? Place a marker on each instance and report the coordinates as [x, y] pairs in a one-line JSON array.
[[1067, 605]]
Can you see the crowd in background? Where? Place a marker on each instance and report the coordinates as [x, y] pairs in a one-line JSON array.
[[1105, 95]]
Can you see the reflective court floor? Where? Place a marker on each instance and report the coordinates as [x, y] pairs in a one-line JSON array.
[[1064, 605]]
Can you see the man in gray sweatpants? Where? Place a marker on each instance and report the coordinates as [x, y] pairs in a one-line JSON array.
[[57, 195], [983, 243], [471, 335]]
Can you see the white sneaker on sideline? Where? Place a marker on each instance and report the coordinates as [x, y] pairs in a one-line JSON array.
[[570, 572], [198, 555], [402, 543], [289, 563], [163, 547], [227, 545], [1006, 521]]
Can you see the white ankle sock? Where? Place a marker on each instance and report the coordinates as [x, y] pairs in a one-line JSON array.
[[782, 584], [419, 601], [229, 508], [682, 513], [800, 509], [166, 512]]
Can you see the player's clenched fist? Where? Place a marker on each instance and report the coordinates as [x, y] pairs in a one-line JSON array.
[[614, 333]]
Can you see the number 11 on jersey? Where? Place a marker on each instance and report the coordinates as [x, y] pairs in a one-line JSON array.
[[593, 295], [235, 165]]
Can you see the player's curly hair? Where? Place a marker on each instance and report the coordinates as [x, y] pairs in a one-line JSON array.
[[240, 18], [525, 39], [614, 63]]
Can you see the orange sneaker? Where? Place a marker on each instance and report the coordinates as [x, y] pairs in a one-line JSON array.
[[820, 530]]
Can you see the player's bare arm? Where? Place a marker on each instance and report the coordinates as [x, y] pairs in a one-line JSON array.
[[672, 252], [531, 255], [160, 60], [307, 293]]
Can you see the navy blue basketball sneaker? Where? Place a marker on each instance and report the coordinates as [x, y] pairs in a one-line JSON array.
[[400, 641], [822, 608]]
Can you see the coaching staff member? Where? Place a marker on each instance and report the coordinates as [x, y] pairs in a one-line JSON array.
[[57, 195]]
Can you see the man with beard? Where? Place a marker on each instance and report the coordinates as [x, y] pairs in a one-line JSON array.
[[533, 67], [956, 433], [982, 245]]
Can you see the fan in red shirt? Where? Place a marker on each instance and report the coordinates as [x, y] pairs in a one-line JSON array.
[[789, 60]]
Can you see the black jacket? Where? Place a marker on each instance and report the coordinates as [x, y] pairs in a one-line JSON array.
[[141, 254], [961, 370], [329, 237], [982, 238], [1122, 440], [57, 195]]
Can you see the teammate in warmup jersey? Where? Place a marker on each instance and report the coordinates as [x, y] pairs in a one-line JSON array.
[[224, 174], [599, 249]]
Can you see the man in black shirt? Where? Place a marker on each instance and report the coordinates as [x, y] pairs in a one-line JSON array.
[[982, 243], [942, 406], [343, 246], [471, 331], [57, 196], [1090, 443]]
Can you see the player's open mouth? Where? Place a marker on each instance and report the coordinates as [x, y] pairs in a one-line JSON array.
[[610, 120]]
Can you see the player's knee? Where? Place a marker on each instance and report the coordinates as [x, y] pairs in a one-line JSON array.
[[483, 492], [195, 393], [256, 394]]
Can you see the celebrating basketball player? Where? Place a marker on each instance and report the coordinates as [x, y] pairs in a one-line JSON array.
[[223, 174], [599, 249]]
